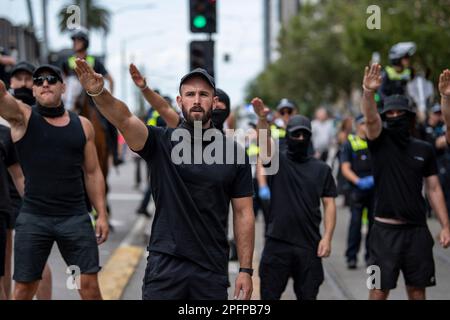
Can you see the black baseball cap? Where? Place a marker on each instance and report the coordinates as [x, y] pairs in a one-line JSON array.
[[48, 67], [360, 119], [436, 108], [396, 102], [298, 122], [22, 66], [200, 73]]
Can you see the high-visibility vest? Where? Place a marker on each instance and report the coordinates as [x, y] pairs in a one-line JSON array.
[[277, 133], [252, 150], [361, 157], [89, 59], [153, 120], [357, 143], [398, 76]]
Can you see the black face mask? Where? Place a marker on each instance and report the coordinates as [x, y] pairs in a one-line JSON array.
[[24, 94], [298, 149], [51, 112], [399, 129], [218, 117]]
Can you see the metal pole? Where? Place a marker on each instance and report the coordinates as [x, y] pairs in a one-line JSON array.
[[30, 14]]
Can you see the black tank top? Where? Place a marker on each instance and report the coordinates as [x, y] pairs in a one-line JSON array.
[[52, 158]]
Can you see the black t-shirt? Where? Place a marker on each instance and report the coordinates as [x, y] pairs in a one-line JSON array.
[[192, 202], [359, 161], [296, 192], [399, 177], [8, 157]]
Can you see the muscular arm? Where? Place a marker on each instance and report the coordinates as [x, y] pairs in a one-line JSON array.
[[329, 221], [12, 110], [117, 112], [155, 100], [371, 82], [265, 142], [436, 197], [93, 177], [244, 234]]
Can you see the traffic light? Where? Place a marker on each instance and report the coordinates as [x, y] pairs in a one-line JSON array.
[[203, 16], [201, 55]]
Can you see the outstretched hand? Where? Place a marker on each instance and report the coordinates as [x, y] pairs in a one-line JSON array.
[[444, 83], [137, 77], [91, 81], [260, 109], [372, 77]]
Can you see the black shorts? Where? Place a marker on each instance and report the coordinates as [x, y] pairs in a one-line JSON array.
[[280, 261], [3, 227], [171, 278], [34, 238], [405, 248]]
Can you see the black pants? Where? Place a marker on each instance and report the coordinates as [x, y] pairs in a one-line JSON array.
[[280, 261], [171, 278], [3, 225], [358, 201]]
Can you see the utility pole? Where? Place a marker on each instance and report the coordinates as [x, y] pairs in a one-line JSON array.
[[266, 25], [44, 51]]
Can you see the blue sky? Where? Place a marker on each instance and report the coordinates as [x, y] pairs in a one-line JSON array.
[[157, 39]]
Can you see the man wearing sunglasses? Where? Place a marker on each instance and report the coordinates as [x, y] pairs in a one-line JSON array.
[[294, 246], [21, 85], [55, 148]]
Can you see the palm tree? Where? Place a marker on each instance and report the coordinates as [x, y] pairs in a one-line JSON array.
[[98, 18]]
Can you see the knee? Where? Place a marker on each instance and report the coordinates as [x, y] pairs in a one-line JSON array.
[[376, 294], [25, 290]]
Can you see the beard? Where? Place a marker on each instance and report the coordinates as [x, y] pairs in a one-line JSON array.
[[190, 118]]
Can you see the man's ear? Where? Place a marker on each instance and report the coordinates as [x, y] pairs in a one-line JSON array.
[[34, 93], [179, 101], [215, 101], [63, 87]]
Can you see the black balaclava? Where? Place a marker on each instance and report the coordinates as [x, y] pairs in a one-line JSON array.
[[399, 129], [50, 112], [24, 94], [219, 116], [298, 149]]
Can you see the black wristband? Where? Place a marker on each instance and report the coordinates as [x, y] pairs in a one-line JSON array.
[[246, 270]]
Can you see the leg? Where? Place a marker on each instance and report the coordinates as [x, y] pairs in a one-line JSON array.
[[25, 290], [354, 231], [274, 269], [90, 289], [369, 204], [377, 294], [415, 293], [44, 291], [2, 290], [308, 274]]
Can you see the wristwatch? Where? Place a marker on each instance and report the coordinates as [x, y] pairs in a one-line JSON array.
[[246, 270]]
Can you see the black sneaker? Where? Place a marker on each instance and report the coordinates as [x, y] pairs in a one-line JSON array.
[[144, 212], [351, 264]]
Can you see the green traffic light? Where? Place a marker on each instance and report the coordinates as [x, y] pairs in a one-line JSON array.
[[199, 21]]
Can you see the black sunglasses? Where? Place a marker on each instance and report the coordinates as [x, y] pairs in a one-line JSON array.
[[286, 111], [39, 81]]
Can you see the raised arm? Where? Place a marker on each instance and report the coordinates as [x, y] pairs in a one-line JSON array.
[[117, 112], [166, 112], [444, 89], [372, 81], [264, 138], [12, 110]]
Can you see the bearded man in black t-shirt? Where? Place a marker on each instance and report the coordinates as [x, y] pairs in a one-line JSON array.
[[188, 249], [400, 239], [444, 89]]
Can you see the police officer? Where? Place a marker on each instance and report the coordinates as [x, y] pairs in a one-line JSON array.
[[356, 168], [397, 75]]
